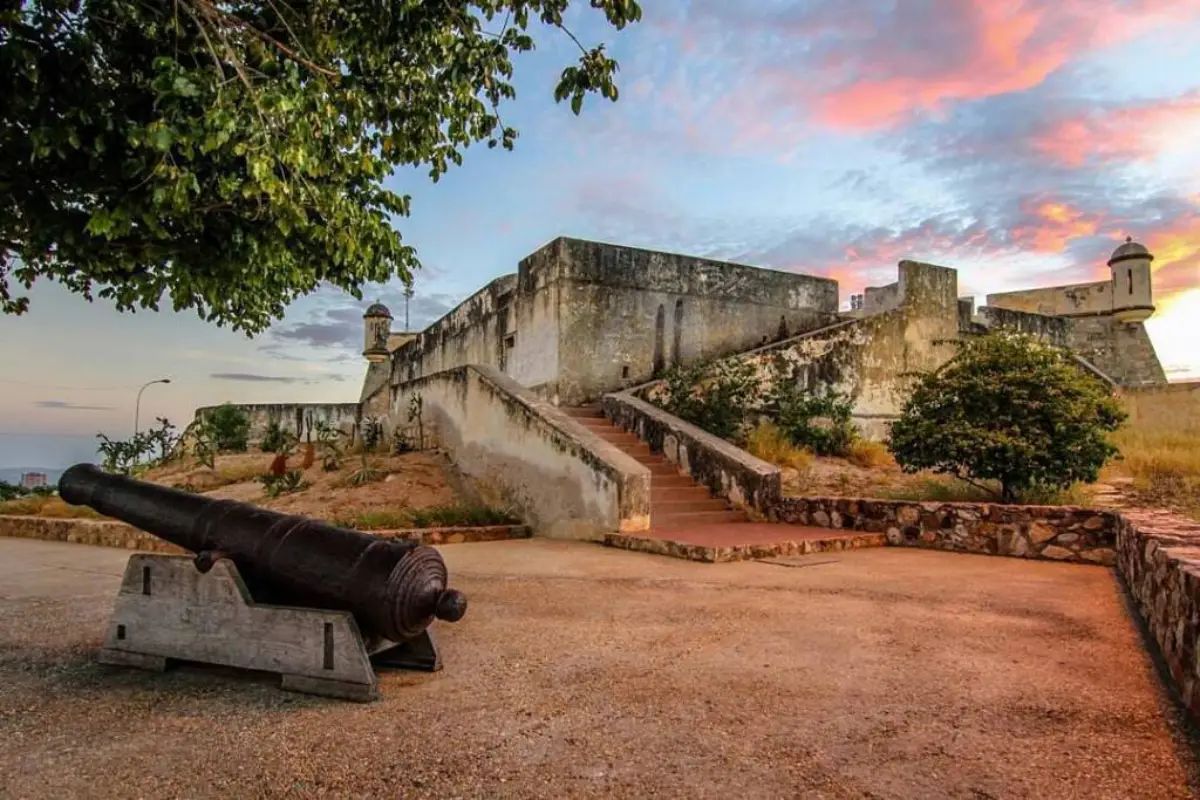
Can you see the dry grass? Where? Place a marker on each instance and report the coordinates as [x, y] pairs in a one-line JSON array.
[[868, 454], [49, 506], [769, 443], [456, 515], [1160, 449]]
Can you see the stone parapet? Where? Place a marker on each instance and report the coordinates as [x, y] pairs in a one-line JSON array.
[[1158, 556], [727, 470], [1057, 533], [716, 554]]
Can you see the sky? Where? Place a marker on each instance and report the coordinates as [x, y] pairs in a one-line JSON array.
[[1018, 141]]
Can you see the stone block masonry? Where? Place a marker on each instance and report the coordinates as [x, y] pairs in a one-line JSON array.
[[1158, 556], [1057, 533]]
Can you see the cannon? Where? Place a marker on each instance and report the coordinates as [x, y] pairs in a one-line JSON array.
[[319, 604]]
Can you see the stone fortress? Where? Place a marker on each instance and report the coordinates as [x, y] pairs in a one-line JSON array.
[[580, 319], [510, 383]]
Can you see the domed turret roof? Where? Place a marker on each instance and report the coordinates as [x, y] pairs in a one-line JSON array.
[[1130, 249], [378, 309]]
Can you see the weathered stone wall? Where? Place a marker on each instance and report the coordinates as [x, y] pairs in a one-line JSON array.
[[295, 418], [1058, 533], [627, 314], [1055, 330], [728, 471], [1178, 402], [868, 358], [1079, 298], [1121, 350], [1158, 556], [579, 319], [518, 451]]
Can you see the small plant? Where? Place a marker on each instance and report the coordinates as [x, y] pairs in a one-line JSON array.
[[329, 443], [230, 427], [122, 455], [416, 415], [287, 483], [371, 430], [204, 446], [364, 475], [275, 440]]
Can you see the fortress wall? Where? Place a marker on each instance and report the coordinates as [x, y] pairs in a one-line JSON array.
[[1121, 350], [1079, 298], [295, 418], [628, 314], [1056, 330]]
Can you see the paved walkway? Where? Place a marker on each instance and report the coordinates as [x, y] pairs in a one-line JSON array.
[[583, 671]]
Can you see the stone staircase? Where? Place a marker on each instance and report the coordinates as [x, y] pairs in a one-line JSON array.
[[676, 501]]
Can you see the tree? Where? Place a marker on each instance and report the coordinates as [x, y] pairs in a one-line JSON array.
[[232, 154], [1012, 409]]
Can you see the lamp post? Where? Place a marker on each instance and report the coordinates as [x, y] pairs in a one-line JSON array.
[[137, 408]]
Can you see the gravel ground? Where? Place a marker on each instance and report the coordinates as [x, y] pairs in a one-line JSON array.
[[581, 671]]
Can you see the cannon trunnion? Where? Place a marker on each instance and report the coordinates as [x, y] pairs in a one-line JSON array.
[[268, 591]]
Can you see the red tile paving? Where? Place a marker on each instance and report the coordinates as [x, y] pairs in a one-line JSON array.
[[688, 521]]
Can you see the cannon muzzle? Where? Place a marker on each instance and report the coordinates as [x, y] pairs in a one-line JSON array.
[[394, 589]]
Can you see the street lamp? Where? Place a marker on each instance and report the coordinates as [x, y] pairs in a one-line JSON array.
[[137, 408]]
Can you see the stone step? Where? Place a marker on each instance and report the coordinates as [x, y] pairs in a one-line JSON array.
[[664, 468], [652, 459], [582, 412], [617, 437], [677, 520], [674, 481], [692, 491], [597, 423], [670, 507]]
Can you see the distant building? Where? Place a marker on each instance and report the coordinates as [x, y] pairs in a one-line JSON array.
[[34, 480]]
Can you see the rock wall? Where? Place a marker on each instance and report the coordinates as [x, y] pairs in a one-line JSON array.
[[1058, 533], [729, 471], [517, 450], [1158, 556], [1080, 298]]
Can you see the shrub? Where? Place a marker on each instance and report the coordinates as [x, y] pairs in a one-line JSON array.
[[330, 446], [1012, 409], [821, 422], [230, 428], [275, 440], [714, 397]]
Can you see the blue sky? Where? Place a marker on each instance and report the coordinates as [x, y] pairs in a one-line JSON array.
[[1018, 142]]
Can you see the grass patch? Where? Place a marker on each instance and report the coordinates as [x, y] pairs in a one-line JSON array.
[[1160, 449], [869, 455], [768, 442], [460, 515], [950, 490], [50, 507]]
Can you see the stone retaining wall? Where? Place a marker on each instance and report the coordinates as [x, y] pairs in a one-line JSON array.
[[1058, 533], [1158, 556], [108, 533]]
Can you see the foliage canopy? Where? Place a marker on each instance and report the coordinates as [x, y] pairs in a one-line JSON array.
[[233, 154], [1011, 409]]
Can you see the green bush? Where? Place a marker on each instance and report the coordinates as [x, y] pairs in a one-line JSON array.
[[714, 397], [1011, 409], [819, 421], [230, 428], [275, 439]]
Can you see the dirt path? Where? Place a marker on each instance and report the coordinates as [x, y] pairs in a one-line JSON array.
[[582, 671]]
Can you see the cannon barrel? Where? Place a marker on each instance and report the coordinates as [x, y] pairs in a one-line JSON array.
[[393, 589]]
